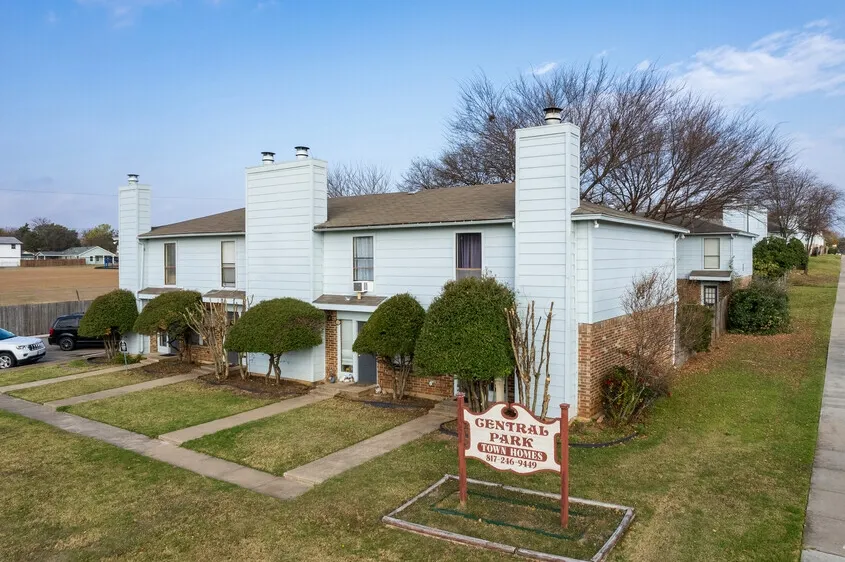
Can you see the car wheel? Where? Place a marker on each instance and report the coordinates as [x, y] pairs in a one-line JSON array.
[[66, 343], [7, 360]]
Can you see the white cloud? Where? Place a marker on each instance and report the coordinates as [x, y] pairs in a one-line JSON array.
[[51, 18], [602, 54], [643, 65], [778, 66], [543, 68], [124, 12]]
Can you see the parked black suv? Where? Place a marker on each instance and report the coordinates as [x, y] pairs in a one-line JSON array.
[[65, 333]]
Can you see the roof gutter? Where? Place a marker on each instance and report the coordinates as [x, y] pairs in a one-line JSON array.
[[189, 235], [412, 225], [345, 307], [630, 222], [736, 233]]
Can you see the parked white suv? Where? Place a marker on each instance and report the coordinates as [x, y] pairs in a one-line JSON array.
[[19, 349]]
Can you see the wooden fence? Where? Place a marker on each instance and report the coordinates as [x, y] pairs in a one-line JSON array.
[[36, 319], [52, 263], [720, 317]]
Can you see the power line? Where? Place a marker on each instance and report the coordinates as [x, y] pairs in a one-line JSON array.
[[114, 194]]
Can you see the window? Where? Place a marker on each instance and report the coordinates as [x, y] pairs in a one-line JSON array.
[[362, 258], [227, 264], [711, 294], [14, 246], [711, 253], [170, 263], [90, 258], [468, 258]]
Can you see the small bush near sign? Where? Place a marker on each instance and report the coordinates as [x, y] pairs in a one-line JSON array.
[[514, 520], [761, 308]]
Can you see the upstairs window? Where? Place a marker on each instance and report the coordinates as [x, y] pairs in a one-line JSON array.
[[14, 246], [170, 263], [227, 263], [362, 258], [468, 258], [711, 253]]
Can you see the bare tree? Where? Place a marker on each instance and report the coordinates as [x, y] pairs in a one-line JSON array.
[[531, 364], [647, 145], [783, 194], [819, 212], [361, 179], [212, 321]]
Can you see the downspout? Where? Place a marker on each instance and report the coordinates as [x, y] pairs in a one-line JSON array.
[[675, 308]]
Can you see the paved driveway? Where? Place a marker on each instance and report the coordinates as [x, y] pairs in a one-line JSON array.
[[56, 355]]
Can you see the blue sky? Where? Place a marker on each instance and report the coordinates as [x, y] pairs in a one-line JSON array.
[[187, 93]]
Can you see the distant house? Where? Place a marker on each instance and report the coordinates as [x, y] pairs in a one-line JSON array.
[[10, 251], [93, 255]]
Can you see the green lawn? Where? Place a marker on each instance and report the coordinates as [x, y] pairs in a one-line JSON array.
[[31, 373], [78, 387], [168, 408], [721, 474], [276, 444]]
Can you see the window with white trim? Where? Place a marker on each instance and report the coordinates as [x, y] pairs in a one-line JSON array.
[[170, 263], [227, 263], [711, 253], [362, 258], [711, 295], [468, 255]]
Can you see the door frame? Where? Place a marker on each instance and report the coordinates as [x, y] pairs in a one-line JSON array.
[[163, 349], [353, 317]]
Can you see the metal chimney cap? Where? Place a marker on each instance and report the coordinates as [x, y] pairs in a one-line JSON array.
[[301, 152], [552, 115], [267, 158], [133, 178]]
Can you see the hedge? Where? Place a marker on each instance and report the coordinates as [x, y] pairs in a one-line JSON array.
[[108, 317], [760, 308]]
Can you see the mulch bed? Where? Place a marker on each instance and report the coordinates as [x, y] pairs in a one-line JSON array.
[[387, 398], [168, 368], [256, 386]]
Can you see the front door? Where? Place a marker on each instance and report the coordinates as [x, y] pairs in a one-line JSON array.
[[366, 365], [163, 343]]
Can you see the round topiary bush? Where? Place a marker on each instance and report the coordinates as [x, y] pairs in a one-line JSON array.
[[466, 335], [108, 317], [166, 313], [773, 257], [275, 327], [391, 334], [760, 308], [799, 253]]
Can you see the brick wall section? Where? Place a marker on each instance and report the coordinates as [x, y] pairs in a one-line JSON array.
[[416, 386], [331, 343], [600, 348], [201, 354], [154, 344]]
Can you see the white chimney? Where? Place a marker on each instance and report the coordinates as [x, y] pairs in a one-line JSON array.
[[552, 115], [267, 158], [301, 152], [134, 202], [133, 179]]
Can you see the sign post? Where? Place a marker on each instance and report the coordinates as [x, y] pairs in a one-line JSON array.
[[123, 349], [510, 438]]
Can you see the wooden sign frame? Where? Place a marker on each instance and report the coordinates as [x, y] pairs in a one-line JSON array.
[[515, 437]]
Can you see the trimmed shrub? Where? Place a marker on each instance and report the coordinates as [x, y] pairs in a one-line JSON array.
[[391, 334], [695, 323], [275, 327], [466, 335], [760, 308], [773, 257], [626, 395], [799, 253], [166, 313], [108, 317]]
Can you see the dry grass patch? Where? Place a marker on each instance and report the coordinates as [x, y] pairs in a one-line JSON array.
[[25, 285], [78, 387], [18, 375]]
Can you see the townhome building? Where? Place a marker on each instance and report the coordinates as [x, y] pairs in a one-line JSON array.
[[10, 251], [346, 255]]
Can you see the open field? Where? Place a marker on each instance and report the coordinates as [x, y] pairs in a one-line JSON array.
[[721, 473], [28, 285]]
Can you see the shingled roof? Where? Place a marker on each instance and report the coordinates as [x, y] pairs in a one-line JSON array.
[[475, 203], [701, 226], [230, 222]]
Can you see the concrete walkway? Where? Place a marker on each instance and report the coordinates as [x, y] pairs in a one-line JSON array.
[[21, 386], [320, 470], [211, 467], [120, 391], [824, 529], [197, 431]]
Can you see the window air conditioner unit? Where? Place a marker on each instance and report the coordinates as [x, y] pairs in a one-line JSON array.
[[362, 286]]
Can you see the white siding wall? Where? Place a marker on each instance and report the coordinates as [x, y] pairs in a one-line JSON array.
[[283, 204], [583, 271], [133, 219], [622, 253], [414, 260], [691, 254], [753, 220], [10, 257], [547, 191], [743, 247], [198, 262]]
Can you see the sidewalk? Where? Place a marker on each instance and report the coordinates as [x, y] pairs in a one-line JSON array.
[[824, 528], [86, 374], [255, 480]]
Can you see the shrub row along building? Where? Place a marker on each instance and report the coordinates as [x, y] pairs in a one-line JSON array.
[[346, 255]]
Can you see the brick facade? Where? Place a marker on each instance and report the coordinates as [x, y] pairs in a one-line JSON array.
[[600, 347], [331, 344], [436, 388]]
